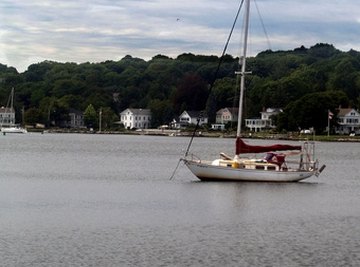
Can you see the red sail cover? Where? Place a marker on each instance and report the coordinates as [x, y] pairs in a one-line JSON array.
[[241, 147]]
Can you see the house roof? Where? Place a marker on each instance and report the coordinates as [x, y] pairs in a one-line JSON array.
[[233, 111], [6, 110], [272, 110], [345, 111], [137, 111], [75, 111], [193, 113]]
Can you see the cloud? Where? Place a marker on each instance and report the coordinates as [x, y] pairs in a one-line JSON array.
[[99, 30]]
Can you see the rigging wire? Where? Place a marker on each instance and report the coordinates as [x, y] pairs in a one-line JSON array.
[[263, 25], [211, 86], [216, 73]]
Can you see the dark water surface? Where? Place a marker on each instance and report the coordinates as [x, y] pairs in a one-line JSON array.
[[106, 200]]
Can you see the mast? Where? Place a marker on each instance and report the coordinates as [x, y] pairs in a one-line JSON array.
[[242, 61]]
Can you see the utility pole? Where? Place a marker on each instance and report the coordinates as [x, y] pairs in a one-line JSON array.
[[100, 114]]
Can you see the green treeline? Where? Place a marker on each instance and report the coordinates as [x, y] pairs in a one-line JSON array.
[[304, 82]]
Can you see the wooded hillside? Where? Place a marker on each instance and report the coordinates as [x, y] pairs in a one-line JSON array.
[[304, 82]]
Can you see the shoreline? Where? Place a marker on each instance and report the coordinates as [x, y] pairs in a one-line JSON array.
[[214, 134]]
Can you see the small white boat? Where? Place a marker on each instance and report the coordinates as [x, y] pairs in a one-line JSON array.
[[10, 126], [13, 129], [274, 167]]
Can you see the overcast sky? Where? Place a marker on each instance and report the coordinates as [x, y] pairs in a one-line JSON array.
[[79, 31]]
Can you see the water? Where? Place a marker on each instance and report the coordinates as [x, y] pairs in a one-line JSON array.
[[106, 200]]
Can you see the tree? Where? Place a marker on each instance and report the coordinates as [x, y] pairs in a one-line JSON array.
[[311, 111], [68, 86], [279, 79], [32, 116], [46, 108], [192, 94], [108, 117], [224, 94], [72, 101], [59, 114], [90, 117], [162, 112]]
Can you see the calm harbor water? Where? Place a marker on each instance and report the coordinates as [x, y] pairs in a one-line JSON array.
[[106, 200]]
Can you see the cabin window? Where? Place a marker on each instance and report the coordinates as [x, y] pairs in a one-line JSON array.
[[259, 167]]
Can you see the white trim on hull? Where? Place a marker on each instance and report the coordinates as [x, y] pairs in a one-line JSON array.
[[209, 172]]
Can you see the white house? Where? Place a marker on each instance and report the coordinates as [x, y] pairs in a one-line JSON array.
[[190, 117], [265, 122], [136, 118], [226, 115], [348, 120], [7, 116]]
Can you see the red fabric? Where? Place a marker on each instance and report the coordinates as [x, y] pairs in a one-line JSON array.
[[242, 147]]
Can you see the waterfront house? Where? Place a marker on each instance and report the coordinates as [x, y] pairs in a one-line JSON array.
[[348, 120], [224, 116], [265, 122], [133, 118], [76, 119], [7, 116], [190, 117]]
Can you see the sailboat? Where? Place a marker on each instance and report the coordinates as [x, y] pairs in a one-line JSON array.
[[273, 167], [9, 126]]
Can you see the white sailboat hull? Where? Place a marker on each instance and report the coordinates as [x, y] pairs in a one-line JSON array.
[[208, 172]]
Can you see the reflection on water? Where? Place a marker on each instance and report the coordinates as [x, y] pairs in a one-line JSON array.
[[106, 200]]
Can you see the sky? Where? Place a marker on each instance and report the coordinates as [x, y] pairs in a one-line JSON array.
[[32, 31]]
